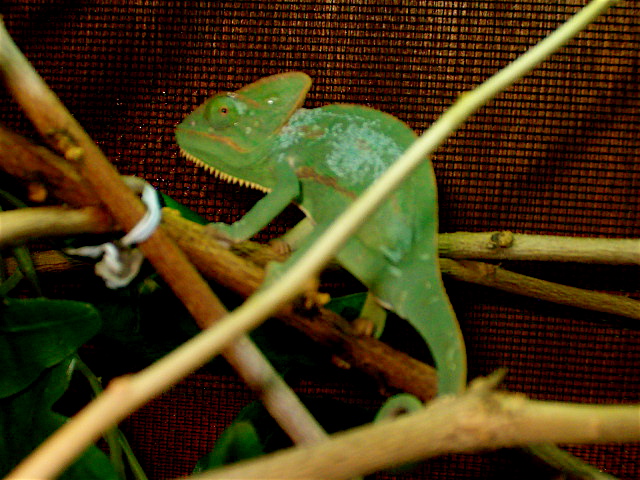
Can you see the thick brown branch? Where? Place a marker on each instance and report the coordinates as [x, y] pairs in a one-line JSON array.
[[393, 369], [34, 164]]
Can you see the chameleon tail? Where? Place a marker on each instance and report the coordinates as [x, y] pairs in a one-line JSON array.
[[416, 293], [412, 288], [436, 322]]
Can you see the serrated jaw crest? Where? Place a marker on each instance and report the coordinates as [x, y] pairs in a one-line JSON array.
[[222, 175]]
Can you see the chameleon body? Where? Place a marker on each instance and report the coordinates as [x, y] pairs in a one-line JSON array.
[[322, 159]]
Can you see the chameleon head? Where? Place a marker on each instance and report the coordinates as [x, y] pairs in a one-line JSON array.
[[231, 133]]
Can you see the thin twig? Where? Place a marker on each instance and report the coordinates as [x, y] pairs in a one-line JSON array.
[[506, 245], [18, 226], [497, 277], [62, 131], [476, 420]]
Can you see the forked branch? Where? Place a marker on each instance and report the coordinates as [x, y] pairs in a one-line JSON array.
[[479, 419]]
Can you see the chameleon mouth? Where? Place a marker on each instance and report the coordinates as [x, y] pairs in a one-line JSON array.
[[222, 175]]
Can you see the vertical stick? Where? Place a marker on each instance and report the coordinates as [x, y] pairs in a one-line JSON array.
[[65, 134]]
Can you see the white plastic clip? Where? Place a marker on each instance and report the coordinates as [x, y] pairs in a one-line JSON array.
[[121, 261]]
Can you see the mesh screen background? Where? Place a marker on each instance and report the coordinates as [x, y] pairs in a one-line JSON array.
[[556, 154]]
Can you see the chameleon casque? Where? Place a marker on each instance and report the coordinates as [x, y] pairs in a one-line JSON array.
[[321, 159]]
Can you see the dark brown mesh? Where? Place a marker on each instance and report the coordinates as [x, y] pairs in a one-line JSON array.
[[556, 154]]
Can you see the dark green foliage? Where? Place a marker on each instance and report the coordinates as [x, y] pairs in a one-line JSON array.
[[254, 432], [39, 341]]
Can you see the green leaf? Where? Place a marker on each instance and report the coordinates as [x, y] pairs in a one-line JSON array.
[[10, 283], [37, 334], [288, 350], [348, 306], [39, 338], [238, 442], [145, 321], [26, 419], [254, 432], [184, 211], [142, 322]]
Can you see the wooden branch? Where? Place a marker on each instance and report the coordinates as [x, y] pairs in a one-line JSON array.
[[18, 226], [64, 134], [37, 165], [496, 277], [550, 248], [478, 420], [49, 261], [393, 369]]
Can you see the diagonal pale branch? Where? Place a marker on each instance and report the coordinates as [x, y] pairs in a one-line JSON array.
[[267, 302]]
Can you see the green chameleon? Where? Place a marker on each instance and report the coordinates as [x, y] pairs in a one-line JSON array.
[[321, 159]]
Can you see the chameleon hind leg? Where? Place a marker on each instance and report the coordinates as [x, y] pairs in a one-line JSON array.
[[372, 318]]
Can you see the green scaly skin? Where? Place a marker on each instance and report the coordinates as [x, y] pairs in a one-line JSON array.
[[322, 159]]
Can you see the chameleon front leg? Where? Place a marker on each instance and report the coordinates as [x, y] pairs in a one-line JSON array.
[[263, 212]]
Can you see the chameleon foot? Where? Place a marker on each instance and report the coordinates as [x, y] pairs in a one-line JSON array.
[[313, 298], [221, 233], [363, 327], [280, 247], [373, 318]]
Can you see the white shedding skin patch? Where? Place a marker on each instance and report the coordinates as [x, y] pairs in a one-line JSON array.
[[395, 272], [360, 150], [356, 150]]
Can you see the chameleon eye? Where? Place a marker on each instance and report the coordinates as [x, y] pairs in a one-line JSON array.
[[222, 112]]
